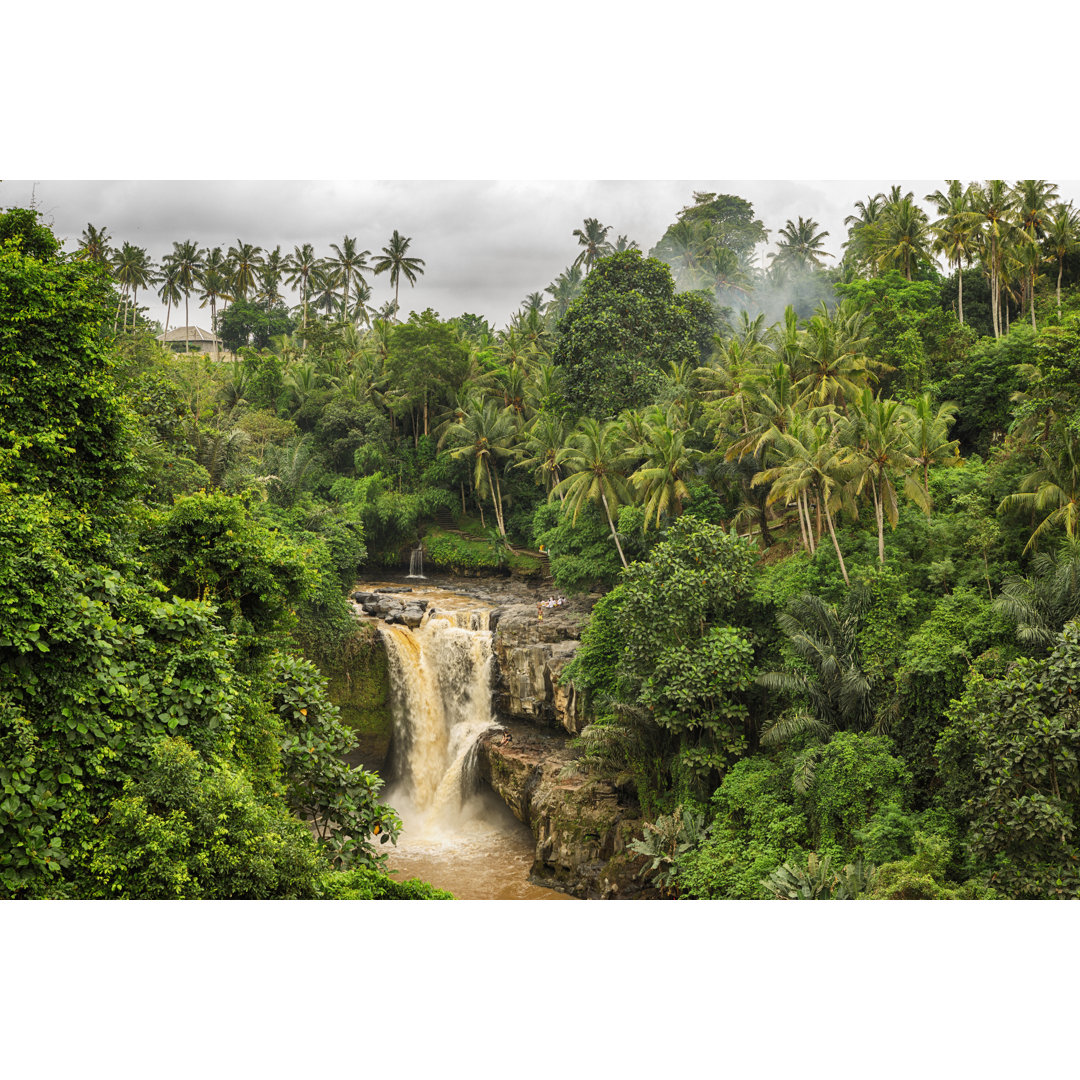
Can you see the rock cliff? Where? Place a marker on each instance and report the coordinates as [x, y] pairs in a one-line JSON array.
[[531, 651], [582, 827]]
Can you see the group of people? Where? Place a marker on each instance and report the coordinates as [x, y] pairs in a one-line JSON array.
[[552, 602]]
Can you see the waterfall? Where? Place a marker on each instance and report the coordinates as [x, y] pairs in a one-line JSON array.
[[457, 833], [440, 686], [416, 562]]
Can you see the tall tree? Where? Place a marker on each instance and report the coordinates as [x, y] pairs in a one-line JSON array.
[[349, 265], [396, 260], [876, 431], [299, 267], [214, 280], [186, 259], [955, 235], [1062, 238], [1033, 209], [901, 238], [246, 260], [594, 243], [485, 434], [801, 245], [992, 206], [133, 271], [596, 461], [169, 293], [95, 244]]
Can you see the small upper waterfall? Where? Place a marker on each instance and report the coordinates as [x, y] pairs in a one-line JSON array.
[[416, 562]]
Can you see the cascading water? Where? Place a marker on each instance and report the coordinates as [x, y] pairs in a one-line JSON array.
[[440, 678], [454, 835], [416, 562]]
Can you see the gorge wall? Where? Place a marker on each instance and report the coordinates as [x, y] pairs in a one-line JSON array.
[[582, 825]]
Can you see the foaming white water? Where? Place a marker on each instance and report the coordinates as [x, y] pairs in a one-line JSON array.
[[440, 681]]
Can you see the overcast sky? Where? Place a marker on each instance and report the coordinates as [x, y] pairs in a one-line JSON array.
[[485, 244]]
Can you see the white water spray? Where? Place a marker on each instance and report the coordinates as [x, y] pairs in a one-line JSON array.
[[440, 684]]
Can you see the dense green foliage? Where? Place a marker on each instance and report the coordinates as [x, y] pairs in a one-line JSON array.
[[834, 513]]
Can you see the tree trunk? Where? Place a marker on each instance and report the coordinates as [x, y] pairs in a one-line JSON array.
[[802, 524], [836, 544], [960, 290], [1060, 263], [498, 504], [494, 498], [614, 534], [879, 514], [187, 326]]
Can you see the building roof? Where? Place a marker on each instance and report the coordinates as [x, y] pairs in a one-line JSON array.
[[187, 333]]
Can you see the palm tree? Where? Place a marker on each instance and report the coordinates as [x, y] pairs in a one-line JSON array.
[[485, 434], [270, 274], [545, 450], [1033, 199], [1049, 597], [1062, 238], [95, 245], [661, 480], [564, 291], [169, 293], [832, 356], [802, 245], [955, 236], [928, 434], [992, 205], [186, 259], [721, 269], [349, 266], [324, 293], [596, 459], [811, 463], [901, 237], [684, 248], [1053, 486], [861, 228], [214, 279], [826, 639], [360, 313], [134, 271], [593, 242], [876, 432], [246, 260], [299, 266], [397, 262]]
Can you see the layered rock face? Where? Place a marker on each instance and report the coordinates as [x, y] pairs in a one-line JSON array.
[[582, 827], [532, 652]]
